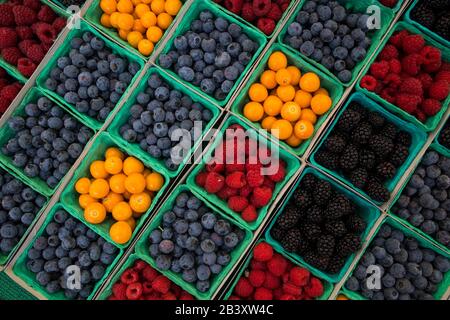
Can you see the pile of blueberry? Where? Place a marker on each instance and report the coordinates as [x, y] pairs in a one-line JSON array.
[[211, 55], [67, 242], [194, 242], [18, 208], [46, 141], [91, 77], [408, 270], [425, 202], [332, 35], [159, 111]]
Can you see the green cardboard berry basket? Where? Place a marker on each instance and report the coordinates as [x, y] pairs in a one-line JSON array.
[[12, 291], [422, 28], [69, 196], [387, 16], [368, 212], [124, 114], [278, 26], [394, 223], [142, 247], [438, 146], [418, 141], [64, 50], [334, 88], [20, 269], [93, 15], [5, 258], [6, 133], [13, 69], [292, 166], [433, 147], [184, 26], [327, 287], [432, 122]]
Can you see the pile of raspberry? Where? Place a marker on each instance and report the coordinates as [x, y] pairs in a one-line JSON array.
[[411, 75], [142, 282], [270, 276], [239, 180], [9, 88], [264, 14], [27, 31]]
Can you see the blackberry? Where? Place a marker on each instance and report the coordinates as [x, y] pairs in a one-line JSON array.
[[423, 15], [309, 182], [399, 155], [322, 193], [336, 228], [355, 106], [289, 218], [277, 233], [348, 245], [338, 208], [355, 224], [302, 198], [336, 264], [367, 159], [438, 5], [328, 159], [335, 143], [361, 135], [375, 119], [444, 138], [314, 259], [310, 231], [325, 245], [359, 178], [386, 171], [442, 27], [314, 215], [349, 120], [381, 145], [349, 159], [404, 138], [303, 247], [291, 241], [377, 191], [390, 131]]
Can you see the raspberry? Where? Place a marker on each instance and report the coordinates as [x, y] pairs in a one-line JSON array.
[[431, 55], [6, 15], [249, 214], [439, 90], [234, 167], [263, 294], [140, 265], [263, 252], [9, 92], [161, 284], [413, 43], [149, 273], [119, 291], [214, 182], [379, 69], [254, 178], [59, 24], [46, 14], [233, 298], [186, 296], [11, 55], [288, 297], [35, 53], [431, 107], [24, 32], [134, 291], [23, 15], [247, 12], [237, 203], [169, 296], [24, 45], [215, 166], [445, 66], [432, 67], [397, 39], [257, 265], [277, 265], [261, 196], [236, 180], [275, 12], [234, 6], [261, 7], [442, 75], [315, 288], [45, 32], [269, 183], [411, 64], [200, 179], [272, 282], [408, 102], [369, 83], [392, 80], [226, 192], [389, 3], [257, 278], [411, 86], [395, 66], [388, 53], [147, 288], [129, 276], [246, 191], [243, 288], [266, 25], [8, 37], [426, 80], [421, 116], [26, 66], [279, 175], [33, 4], [389, 94], [299, 276], [292, 289]]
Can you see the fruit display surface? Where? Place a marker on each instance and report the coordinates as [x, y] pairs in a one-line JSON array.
[[232, 150]]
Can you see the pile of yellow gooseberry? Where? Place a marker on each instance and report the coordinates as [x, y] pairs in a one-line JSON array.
[[139, 22], [287, 103], [120, 186]]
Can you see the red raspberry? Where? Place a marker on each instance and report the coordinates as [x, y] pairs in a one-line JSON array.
[[389, 3], [254, 178], [253, 164], [11, 55], [119, 291], [388, 53], [257, 265], [134, 291], [249, 214], [149, 273], [140, 265], [397, 38], [439, 90], [129, 276], [431, 107], [379, 69], [445, 66], [237, 203], [233, 298], [161, 284], [266, 25], [9, 92], [246, 191], [147, 288], [272, 281], [432, 67], [275, 12], [33, 4], [262, 7], [299, 276], [261, 196], [315, 288], [24, 45], [413, 43], [24, 32], [215, 165], [411, 64], [431, 55], [288, 297], [214, 182], [392, 80], [278, 293], [234, 6], [389, 94], [200, 179], [369, 83], [59, 24], [234, 167], [243, 288], [269, 183], [236, 180], [169, 296], [186, 296], [23, 15], [247, 12], [263, 294], [292, 289], [46, 14], [226, 192], [257, 278], [277, 265], [279, 175], [8, 37], [426, 80], [45, 32], [6, 15], [421, 116], [408, 102], [263, 252], [442, 76], [411, 86], [395, 66], [26, 67], [35, 53]]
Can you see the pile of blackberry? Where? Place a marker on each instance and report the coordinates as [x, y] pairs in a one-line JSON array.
[[434, 15], [444, 137], [366, 149], [320, 224]]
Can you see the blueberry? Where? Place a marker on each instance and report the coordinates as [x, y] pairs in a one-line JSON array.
[[415, 256], [223, 258], [358, 54], [307, 48], [8, 231]]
